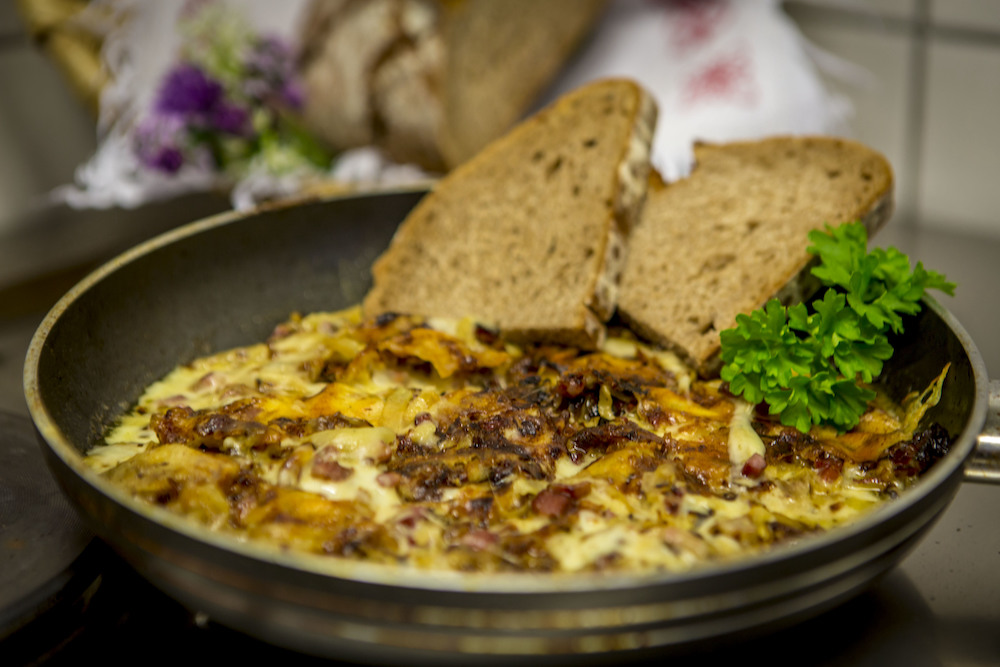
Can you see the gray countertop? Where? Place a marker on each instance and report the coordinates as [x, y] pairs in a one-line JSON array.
[[941, 606]]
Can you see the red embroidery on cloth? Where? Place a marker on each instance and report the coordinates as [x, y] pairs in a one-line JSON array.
[[693, 23], [727, 78]]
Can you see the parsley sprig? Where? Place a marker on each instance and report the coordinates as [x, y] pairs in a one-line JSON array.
[[811, 367]]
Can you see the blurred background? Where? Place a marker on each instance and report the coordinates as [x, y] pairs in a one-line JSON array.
[[930, 105]]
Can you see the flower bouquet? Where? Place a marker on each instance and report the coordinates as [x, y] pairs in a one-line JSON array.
[[228, 107], [204, 95]]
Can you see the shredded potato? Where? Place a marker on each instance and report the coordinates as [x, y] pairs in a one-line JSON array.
[[436, 445]]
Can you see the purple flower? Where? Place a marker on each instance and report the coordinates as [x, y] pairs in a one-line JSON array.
[[157, 143], [292, 95], [198, 122], [230, 118], [270, 74], [187, 90]]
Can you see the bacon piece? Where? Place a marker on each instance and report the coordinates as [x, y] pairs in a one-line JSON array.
[[479, 539], [388, 479], [171, 401], [413, 516], [551, 503], [326, 466], [754, 466], [331, 470], [828, 466], [209, 380], [559, 499], [487, 336]]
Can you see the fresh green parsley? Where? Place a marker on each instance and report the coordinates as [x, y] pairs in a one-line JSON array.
[[811, 365]]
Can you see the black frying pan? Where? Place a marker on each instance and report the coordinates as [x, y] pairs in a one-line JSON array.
[[228, 280]]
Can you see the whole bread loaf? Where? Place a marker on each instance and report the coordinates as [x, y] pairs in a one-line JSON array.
[[432, 81], [529, 235], [733, 234]]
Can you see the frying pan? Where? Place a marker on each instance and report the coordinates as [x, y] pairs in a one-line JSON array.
[[227, 280]]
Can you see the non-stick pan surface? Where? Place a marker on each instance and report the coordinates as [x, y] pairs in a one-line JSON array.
[[227, 281]]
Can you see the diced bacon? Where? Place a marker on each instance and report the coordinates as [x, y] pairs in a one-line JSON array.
[[575, 491], [828, 467], [329, 468], [557, 499], [486, 335], [754, 466], [170, 401], [236, 390], [209, 380], [389, 479], [479, 539], [412, 517], [551, 503]]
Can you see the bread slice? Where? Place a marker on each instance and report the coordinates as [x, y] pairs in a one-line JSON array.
[[432, 81], [733, 234], [529, 235]]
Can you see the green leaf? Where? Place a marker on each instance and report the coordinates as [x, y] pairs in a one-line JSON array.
[[861, 359], [838, 250], [807, 364]]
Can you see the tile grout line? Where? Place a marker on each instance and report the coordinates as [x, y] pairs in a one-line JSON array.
[[915, 119], [865, 19]]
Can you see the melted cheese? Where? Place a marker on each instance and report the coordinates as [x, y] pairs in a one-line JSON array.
[[743, 440], [414, 443]]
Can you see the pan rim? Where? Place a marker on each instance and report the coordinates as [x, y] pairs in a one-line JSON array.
[[504, 584]]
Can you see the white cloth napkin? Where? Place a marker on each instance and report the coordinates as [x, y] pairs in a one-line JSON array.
[[721, 70]]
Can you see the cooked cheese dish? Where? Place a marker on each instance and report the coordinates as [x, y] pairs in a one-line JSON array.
[[430, 444]]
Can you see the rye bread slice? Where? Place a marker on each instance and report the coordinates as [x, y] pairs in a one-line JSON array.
[[733, 234], [529, 235]]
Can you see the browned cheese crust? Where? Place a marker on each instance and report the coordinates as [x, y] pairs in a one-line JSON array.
[[391, 442]]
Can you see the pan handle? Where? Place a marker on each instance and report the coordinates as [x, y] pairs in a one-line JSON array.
[[984, 464]]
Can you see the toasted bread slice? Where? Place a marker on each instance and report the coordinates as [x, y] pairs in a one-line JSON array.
[[733, 234], [529, 235]]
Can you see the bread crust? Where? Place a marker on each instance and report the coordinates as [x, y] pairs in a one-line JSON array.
[[530, 235]]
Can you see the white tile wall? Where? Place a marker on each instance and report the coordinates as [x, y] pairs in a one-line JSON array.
[[960, 180], [974, 14], [890, 8], [881, 97], [936, 107]]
